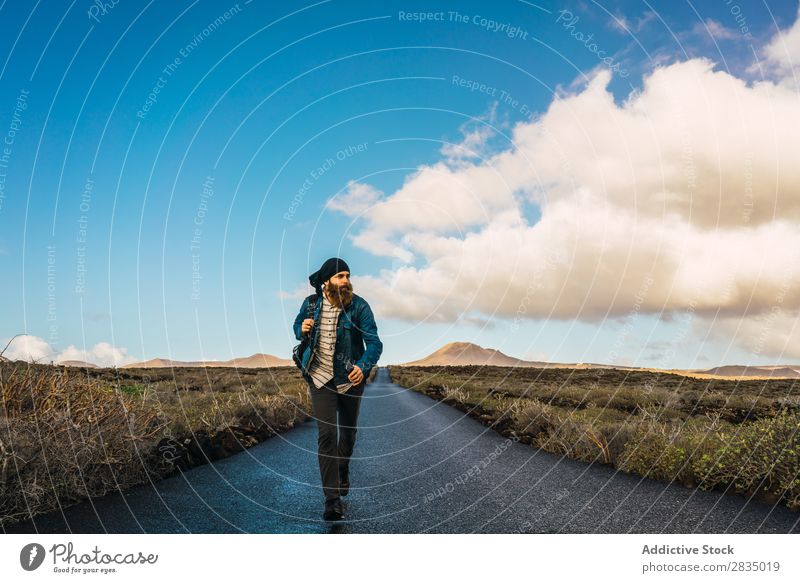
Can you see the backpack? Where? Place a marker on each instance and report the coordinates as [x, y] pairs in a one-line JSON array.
[[298, 350]]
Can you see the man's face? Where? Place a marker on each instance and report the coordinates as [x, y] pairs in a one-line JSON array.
[[340, 290]]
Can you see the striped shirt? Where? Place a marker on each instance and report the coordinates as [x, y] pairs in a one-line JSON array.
[[321, 369]]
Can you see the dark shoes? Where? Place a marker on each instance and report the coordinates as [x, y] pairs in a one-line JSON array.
[[333, 509], [344, 482]]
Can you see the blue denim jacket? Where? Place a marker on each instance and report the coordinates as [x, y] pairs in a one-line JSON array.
[[355, 327]]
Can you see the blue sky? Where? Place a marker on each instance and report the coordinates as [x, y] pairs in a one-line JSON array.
[[168, 185]]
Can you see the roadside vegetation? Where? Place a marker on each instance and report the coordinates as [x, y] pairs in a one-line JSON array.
[[67, 434], [740, 436]]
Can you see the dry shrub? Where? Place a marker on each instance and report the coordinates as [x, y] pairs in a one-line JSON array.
[[454, 394], [576, 439], [510, 407], [213, 412], [762, 455], [654, 451], [535, 418], [617, 435], [65, 438], [622, 398], [275, 411]]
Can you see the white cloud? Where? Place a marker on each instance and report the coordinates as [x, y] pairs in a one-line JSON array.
[[774, 333], [29, 348], [716, 30], [355, 200], [440, 198], [691, 184], [622, 24], [782, 53], [101, 354], [477, 133], [472, 146], [34, 349]]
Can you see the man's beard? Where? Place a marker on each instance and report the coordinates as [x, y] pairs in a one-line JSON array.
[[340, 296]]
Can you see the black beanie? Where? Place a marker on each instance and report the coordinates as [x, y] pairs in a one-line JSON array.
[[330, 268]]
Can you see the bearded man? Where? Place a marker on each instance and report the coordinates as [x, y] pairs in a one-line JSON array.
[[336, 367]]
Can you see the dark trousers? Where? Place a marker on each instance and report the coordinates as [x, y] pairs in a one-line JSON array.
[[334, 452]]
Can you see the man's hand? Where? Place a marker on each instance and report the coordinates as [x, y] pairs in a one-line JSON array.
[[306, 326], [356, 375]]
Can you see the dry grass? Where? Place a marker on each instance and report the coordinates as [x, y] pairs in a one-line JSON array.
[[67, 434], [709, 433], [63, 440]]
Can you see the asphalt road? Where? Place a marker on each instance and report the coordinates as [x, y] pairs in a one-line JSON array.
[[419, 466]]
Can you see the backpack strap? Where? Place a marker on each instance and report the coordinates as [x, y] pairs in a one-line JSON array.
[[312, 303]]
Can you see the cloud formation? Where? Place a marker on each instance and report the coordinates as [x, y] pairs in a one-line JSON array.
[[34, 349], [782, 53], [686, 196], [356, 199]]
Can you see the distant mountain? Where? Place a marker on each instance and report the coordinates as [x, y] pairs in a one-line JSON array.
[[773, 371], [79, 363], [254, 361], [158, 363], [257, 361], [467, 354]]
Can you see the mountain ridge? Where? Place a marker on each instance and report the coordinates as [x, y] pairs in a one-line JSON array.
[[471, 354], [257, 360]]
